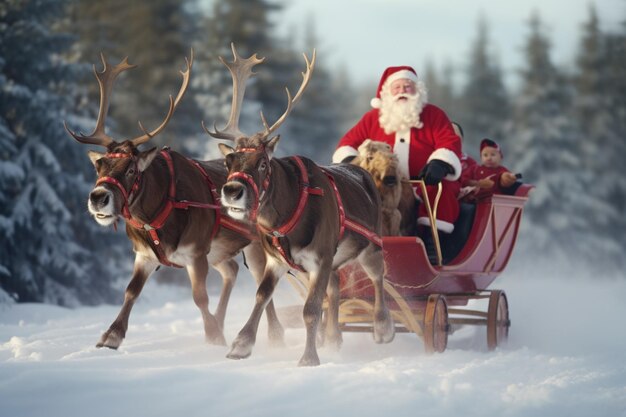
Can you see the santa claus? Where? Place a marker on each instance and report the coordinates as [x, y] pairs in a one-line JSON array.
[[420, 134]]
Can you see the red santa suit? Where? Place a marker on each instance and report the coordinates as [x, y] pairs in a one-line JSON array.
[[433, 139]]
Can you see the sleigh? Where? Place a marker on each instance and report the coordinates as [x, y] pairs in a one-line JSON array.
[[429, 294]]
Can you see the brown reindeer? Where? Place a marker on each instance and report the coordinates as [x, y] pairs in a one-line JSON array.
[[310, 219], [399, 207], [171, 207]]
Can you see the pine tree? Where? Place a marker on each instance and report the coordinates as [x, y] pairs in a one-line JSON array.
[[49, 247], [440, 87], [246, 23], [596, 108], [485, 106], [313, 128], [155, 35], [544, 145]]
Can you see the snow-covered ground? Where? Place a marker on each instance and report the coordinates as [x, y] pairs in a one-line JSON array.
[[566, 357]]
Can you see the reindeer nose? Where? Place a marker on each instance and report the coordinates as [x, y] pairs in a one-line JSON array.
[[233, 191], [99, 198]]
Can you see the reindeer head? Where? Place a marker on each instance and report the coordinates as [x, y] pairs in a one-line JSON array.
[[248, 162], [119, 169]]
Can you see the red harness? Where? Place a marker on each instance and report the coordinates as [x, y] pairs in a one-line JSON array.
[[171, 203], [305, 190]]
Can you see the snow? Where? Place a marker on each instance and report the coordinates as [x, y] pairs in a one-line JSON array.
[[565, 357]]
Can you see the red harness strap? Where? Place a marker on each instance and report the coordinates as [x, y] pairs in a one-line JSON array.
[[170, 204], [237, 227], [351, 224], [280, 232]]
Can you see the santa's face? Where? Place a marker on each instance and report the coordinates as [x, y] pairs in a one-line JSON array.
[[401, 105], [490, 157], [402, 86]]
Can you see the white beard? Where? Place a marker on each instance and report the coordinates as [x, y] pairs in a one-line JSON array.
[[400, 115]]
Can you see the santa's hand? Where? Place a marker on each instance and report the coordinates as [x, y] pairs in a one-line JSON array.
[[435, 171]]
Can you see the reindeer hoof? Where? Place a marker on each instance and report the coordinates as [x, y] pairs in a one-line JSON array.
[[240, 349], [384, 330], [333, 342], [309, 361], [276, 337], [110, 339]]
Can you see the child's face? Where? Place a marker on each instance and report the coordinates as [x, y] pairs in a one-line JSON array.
[[490, 157]]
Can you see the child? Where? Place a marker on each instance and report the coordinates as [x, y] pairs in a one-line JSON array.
[[490, 177]]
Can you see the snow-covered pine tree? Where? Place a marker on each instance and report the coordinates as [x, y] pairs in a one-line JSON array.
[[50, 250], [597, 110], [244, 23], [247, 24], [441, 89], [484, 100], [544, 144]]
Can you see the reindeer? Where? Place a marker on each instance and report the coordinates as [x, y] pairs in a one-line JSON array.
[[399, 206], [173, 217], [309, 218]]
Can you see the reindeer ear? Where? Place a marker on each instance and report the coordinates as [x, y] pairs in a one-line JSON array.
[[363, 146], [225, 149], [94, 156], [146, 158], [271, 145]]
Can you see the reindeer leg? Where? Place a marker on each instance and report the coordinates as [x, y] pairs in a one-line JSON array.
[[373, 263], [256, 261], [245, 340], [114, 336], [333, 336], [228, 269], [197, 274], [312, 311]]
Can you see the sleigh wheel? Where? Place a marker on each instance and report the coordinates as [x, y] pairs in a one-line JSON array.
[[436, 324], [498, 322]]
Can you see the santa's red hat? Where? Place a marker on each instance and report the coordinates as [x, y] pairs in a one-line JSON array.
[[390, 75], [491, 144]]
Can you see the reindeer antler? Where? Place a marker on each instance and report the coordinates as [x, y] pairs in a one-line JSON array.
[[240, 70], [106, 80], [173, 104], [306, 77]]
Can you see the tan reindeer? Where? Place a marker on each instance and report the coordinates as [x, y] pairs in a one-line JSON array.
[[399, 207], [310, 219], [171, 207]]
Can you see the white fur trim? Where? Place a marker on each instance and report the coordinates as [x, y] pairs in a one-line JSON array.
[[401, 149], [402, 74], [376, 103], [446, 155], [444, 226], [343, 152]]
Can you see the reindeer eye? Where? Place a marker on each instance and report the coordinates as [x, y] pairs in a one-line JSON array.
[[131, 171], [262, 166]]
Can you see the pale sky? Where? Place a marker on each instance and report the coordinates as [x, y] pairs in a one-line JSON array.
[[366, 36]]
